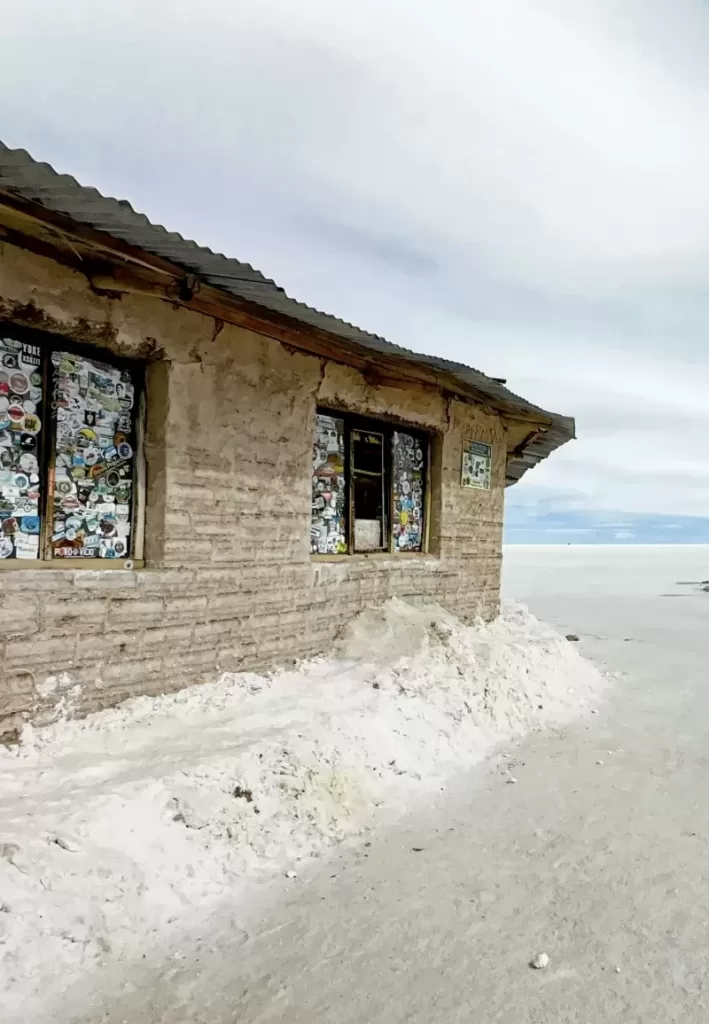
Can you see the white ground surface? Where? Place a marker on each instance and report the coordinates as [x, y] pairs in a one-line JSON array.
[[600, 865]]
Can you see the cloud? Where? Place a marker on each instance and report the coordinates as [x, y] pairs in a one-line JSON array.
[[520, 185]]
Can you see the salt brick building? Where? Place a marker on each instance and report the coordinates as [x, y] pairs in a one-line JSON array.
[[199, 474]]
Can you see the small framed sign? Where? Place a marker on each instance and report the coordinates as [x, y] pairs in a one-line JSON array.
[[476, 467]]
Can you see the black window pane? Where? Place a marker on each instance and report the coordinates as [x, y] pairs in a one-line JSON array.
[[368, 484], [327, 532], [94, 457], [20, 437], [408, 461]]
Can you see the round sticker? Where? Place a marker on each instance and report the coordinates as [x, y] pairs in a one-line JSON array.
[[86, 437], [30, 524], [70, 534], [9, 525], [112, 478], [16, 413], [124, 450], [36, 394], [29, 406], [73, 522], [32, 424], [91, 456], [107, 527], [9, 361], [22, 481], [5, 547], [28, 442], [19, 383], [64, 486], [120, 547], [36, 379], [28, 463]]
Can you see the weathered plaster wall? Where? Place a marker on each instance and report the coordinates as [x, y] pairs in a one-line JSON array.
[[229, 582]]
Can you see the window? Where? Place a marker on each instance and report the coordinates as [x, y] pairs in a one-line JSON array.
[[369, 486], [67, 451]]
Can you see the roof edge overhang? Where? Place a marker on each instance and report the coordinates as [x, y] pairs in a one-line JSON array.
[[119, 264]]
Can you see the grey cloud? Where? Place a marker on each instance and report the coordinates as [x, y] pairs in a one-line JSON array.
[[520, 185]]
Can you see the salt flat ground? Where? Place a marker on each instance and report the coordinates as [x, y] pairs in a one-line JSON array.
[[596, 856]]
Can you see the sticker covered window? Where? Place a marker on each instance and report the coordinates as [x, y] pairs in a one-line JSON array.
[[21, 395], [93, 458]]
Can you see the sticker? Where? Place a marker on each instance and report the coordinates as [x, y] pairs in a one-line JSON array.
[[9, 525], [19, 383], [16, 413], [29, 406], [28, 464], [63, 486], [36, 379], [28, 442], [120, 548], [6, 547], [21, 481], [26, 545], [9, 361], [30, 524], [86, 436], [107, 527], [476, 468], [32, 424]]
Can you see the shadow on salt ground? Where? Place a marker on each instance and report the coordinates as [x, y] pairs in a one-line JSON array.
[[596, 857]]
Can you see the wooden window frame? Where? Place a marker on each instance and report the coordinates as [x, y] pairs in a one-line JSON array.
[[48, 343], [387, 428]]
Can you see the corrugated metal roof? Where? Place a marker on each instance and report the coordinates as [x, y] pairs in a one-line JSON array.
[[61, 193]]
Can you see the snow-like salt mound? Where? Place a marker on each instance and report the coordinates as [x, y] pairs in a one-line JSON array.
[[118, 829]]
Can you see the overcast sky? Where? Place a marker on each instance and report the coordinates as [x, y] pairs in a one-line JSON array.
[[522, 185]]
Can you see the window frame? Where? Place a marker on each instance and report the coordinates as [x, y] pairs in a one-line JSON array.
[[49, 342], [386, 427]]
